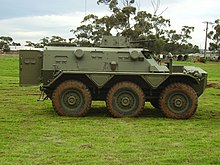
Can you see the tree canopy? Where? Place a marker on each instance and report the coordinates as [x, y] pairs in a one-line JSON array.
[[125, 20], [214, 35], [6, 41], [54, 40]]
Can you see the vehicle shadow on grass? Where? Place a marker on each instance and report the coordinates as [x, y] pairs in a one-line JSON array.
[[103, 112], [152, 113]]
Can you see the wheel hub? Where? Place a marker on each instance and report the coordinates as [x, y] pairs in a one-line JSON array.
[[178, 103], [71, 100], [125, 101]]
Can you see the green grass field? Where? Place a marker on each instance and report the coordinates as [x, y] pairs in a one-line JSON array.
[[32, 133]]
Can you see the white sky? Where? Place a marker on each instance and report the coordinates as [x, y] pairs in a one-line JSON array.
[[28, 20]]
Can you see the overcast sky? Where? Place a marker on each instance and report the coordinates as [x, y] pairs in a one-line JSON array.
[[29, 20]]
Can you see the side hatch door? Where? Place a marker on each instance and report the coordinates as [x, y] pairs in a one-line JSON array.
[[30, 63]]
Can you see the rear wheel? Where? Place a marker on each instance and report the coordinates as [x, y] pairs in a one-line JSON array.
[[125, 99], [71, 98], [178, 101]]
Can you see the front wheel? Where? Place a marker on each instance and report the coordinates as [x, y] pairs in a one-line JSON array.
[[71, 98], [178, 101], [125, 99]]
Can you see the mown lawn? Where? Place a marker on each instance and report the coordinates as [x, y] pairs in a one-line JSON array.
[[32, 133]]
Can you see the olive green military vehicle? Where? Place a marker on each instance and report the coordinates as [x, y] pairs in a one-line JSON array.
[[122, 76]]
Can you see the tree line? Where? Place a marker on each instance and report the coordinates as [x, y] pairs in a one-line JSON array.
[[6, 41], [126, 20]]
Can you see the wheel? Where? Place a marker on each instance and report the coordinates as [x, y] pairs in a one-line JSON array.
[[155, 103], [125, 99], [178, 101], [71, 98]]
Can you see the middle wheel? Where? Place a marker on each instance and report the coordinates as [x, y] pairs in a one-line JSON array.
[[125, 99]]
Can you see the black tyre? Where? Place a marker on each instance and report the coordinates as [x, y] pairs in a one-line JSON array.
[[125, 99], [178, 101], [71, 98]]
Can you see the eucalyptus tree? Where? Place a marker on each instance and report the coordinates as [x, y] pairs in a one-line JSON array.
[[5, 40], [125, 20], [214, 35]]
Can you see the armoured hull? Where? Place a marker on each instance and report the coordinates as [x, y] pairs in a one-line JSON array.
[[123, 77]]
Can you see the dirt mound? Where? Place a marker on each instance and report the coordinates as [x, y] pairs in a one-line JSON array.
[[213, 85]]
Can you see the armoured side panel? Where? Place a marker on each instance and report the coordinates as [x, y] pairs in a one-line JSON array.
[[30, 67]]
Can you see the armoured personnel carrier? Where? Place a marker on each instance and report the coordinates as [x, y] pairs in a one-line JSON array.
[[122, 76]]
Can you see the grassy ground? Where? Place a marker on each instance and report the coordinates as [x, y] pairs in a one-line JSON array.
[[31, 132]]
